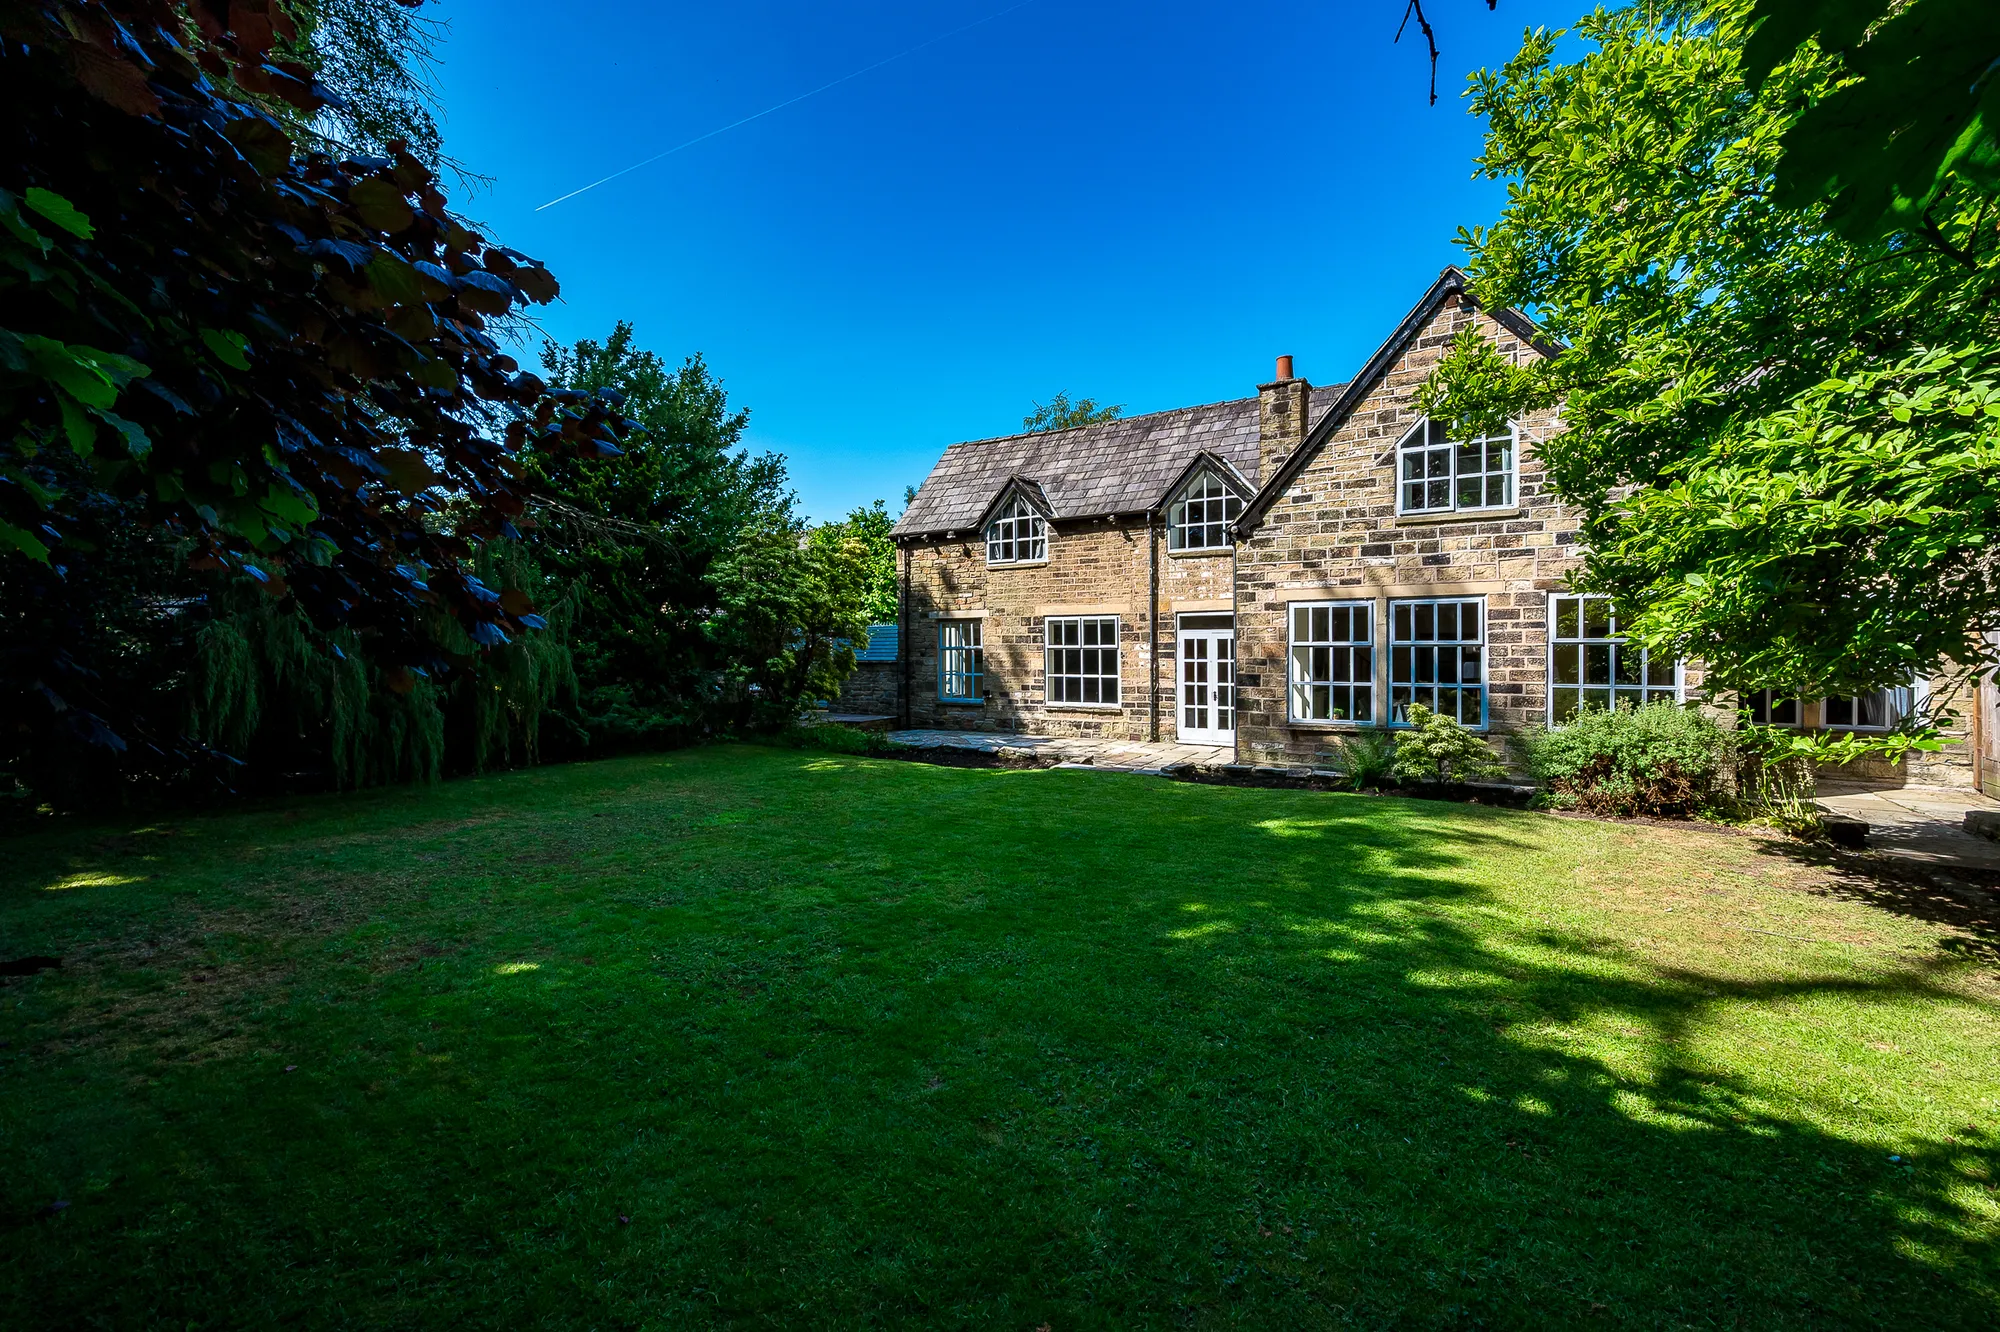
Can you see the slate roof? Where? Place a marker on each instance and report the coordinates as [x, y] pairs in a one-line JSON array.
[[1122, 466], [881, 643]]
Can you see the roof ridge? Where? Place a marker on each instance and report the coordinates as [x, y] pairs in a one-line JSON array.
[[1099, 425]]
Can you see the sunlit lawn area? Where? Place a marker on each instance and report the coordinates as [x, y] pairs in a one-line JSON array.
[[771, 1038]]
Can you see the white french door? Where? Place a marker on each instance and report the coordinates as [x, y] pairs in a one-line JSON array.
[[1206, 677]]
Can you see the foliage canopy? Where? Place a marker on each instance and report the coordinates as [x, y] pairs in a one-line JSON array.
[[641, 534], [1781, 436], [1059, 413], [1916, 107], [280, 357]]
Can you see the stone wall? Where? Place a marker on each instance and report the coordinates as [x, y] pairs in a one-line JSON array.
[[872, 689], [1094, 568]]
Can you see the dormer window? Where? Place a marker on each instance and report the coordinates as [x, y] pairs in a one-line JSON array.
[[1200, 518], [1017, 535], [1439, 475]]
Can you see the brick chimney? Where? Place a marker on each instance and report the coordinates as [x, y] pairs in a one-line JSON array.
[[1282, 408]]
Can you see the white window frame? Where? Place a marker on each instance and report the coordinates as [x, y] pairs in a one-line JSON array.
[[1418, 440], [1220, 505], [1416, 647], [1770, 700], [1615, 647], [1898, 701], [1058, 627], [1301, 679], [1020, 530], [970, 652]]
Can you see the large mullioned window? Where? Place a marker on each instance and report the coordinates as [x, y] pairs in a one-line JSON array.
[[1200, 519], [1437, 657], [1439, 475], [1082, 659], [1017, 536], [1333, 661], [1592, 666], [961, 661]]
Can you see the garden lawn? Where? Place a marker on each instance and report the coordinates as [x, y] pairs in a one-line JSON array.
[[770, 1038]]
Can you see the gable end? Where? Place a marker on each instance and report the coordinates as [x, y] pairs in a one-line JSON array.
[[1450, 283]]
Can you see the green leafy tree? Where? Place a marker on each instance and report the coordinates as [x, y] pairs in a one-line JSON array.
[[376, 58], [871, 525], [791, 605], [1059, 413], [641, 535], [1781, 437]]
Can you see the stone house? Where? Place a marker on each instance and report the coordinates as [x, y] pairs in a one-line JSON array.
[[1274, 572]]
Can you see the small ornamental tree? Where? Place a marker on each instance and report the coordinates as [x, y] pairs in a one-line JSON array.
[[279, 358], [1437, 749], [1664, 759]]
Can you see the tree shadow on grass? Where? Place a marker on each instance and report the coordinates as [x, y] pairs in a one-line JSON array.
[[1698, 1172], [1963, 898]]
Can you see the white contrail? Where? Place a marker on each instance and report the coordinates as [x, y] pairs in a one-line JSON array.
[[701, 138]]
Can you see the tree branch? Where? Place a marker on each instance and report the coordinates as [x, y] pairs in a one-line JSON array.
[[1430, 38]]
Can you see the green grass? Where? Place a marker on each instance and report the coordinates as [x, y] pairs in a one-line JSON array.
[[856, 1042]]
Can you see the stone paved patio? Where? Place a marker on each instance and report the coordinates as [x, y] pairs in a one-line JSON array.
[[1108, 755], [1917, 823]]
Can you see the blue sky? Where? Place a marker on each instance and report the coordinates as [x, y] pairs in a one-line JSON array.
[[1141, 203]]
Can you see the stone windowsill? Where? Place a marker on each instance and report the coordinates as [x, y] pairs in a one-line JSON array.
[[1213, 552], [1018, 564], [1085, 707], [1457, 516]]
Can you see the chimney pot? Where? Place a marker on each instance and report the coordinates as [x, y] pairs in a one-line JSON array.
[[1284, 368]]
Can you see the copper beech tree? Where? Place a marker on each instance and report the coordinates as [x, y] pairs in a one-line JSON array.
[[282, 358]]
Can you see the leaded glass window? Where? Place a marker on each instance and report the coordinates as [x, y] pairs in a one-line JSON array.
[[1437, 657], [1769, 707], [1877, 711], [1017, 535], [1333, 661], [1200, 519], [961, 661], [1440, 475], [1082, 659], [1592, 666]]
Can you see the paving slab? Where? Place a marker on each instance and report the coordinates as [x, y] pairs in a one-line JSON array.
[[1917, 823], [1137, 756]]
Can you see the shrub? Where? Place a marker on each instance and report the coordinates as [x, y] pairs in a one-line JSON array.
[[1662, 759], [832, 736], [1437, 749], [1367, 758]]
